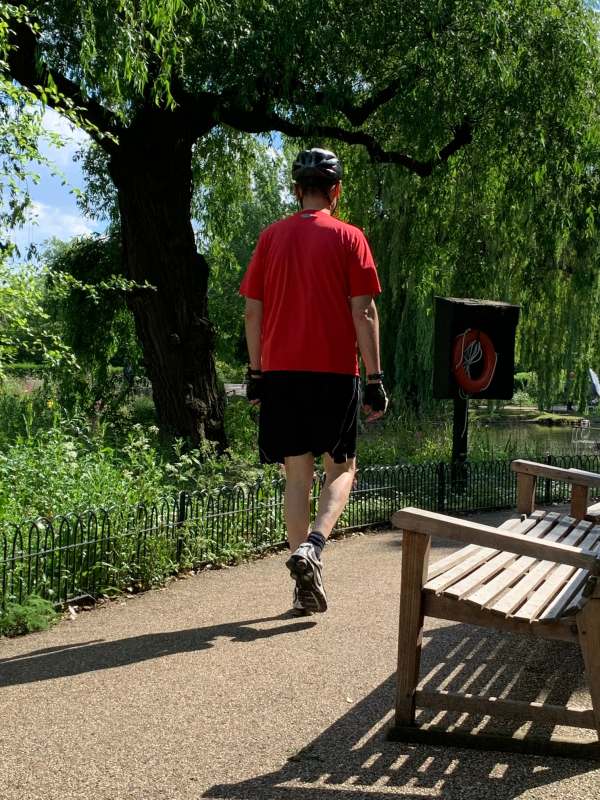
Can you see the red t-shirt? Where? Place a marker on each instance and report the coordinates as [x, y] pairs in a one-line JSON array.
[[305, 269]]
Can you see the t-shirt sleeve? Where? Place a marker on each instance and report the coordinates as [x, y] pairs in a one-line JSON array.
[[362, 272], [252, 285]]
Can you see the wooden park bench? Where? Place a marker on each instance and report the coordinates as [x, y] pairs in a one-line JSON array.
[[537, 575]]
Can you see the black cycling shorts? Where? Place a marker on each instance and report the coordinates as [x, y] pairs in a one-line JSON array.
[[308, 412]]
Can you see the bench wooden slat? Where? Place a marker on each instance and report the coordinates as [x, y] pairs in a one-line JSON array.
[[554, 579], [476, 559], [516, 524], [500, 564], [564, 600], [488, 592], [501, 560], [473, 581], [544, 594], [518, 594], [450, 561], [569, 598]]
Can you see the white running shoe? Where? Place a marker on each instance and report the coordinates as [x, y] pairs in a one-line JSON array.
[[307, 570]]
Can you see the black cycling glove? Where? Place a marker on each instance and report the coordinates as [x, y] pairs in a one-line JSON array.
[[254, 384], [375, 397]]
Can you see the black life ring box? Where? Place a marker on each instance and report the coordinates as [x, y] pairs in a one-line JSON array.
[[454, 317]]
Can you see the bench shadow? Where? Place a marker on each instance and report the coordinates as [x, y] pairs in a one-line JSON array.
[[75, 659], [353, 758]]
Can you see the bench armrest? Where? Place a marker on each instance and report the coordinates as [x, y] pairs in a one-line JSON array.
[[577, 476], [428, 522]]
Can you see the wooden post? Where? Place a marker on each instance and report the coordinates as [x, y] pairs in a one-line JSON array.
[[588, 626], [415, 564], [579, 501], [526, 493]]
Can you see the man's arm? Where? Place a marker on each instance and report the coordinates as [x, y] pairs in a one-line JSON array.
[[253, 324], [366, 325]]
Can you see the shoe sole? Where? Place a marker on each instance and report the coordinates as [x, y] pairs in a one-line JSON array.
[[301, 612], [311, 597]]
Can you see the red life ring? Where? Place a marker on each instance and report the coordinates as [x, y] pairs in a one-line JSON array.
[[469, 348]]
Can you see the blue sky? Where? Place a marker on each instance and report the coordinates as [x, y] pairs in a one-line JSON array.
[[54, 212]]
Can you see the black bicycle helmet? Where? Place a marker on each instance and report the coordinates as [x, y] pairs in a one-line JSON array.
[[316, 163]]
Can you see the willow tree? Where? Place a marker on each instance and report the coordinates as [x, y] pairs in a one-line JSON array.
[[514, 217], [407, 81]]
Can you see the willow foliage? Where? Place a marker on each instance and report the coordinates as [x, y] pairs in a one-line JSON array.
[[513, 217], [491, 102]]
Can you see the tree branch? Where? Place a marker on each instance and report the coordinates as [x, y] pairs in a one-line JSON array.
[[262, 121], [25, 68], [356, 114]]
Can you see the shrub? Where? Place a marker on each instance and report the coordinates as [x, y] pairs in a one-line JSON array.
[[34, 614], [522, 398]]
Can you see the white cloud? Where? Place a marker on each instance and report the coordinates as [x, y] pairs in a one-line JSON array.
[[52, 121], [47, 222], [73, 138]]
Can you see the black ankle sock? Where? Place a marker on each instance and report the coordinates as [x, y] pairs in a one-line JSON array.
[[318, 541]]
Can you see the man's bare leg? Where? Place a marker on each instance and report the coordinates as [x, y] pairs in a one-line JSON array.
[[335, 493], [305, 562], [299, 471]]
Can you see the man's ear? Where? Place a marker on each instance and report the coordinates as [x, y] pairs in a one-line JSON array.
[[334, 197]]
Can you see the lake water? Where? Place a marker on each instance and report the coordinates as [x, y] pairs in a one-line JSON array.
[[530, 438]]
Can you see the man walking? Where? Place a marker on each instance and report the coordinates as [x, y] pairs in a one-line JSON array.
[[310, 289]]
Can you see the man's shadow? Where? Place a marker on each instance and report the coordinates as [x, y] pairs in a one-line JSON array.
[[75, 659], [353, 757]]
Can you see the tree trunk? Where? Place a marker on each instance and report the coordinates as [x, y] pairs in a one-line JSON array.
[[153, 175]]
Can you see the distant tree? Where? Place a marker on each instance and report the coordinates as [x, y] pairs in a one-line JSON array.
[[95, 324], [231, 209]]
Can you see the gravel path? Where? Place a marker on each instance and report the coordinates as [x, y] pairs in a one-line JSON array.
[[209, 689]]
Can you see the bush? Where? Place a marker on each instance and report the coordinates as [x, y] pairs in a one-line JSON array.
[[74, 466], [34, 614], [522, 398]]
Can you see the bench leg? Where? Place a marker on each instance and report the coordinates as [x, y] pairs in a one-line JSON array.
[[588, 625], [415, 564]]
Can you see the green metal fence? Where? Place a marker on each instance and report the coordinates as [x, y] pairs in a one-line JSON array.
[[88, 553]]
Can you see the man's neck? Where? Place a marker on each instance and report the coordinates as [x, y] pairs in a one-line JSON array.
[[315, 202], [312, 207]]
